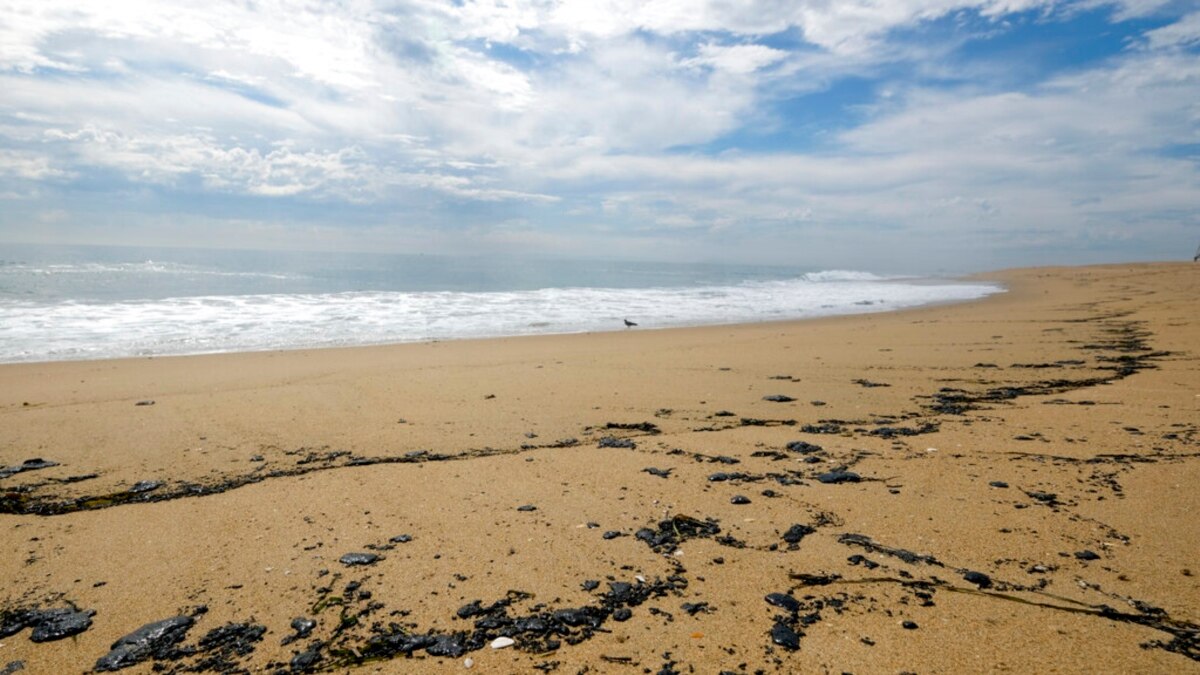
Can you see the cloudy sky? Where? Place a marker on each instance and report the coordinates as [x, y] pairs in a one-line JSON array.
[[885, 134]]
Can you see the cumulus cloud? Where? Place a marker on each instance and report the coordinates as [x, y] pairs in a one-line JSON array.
[[28, 166], [325, 42], [166, 160], [736, 59]]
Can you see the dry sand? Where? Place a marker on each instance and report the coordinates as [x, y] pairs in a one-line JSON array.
[[1079, 390]]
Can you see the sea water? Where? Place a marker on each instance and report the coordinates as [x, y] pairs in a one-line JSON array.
[[60, 302]]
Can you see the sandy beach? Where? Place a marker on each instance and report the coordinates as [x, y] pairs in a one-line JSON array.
[[1002, 485]]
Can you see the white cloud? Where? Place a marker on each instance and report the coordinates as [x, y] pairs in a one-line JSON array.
[[325, 42], [1185, 31], [342, 70], [223, 75], [948, 162], [846, 26], [736, 59], [584, 105], [627, 97], [1129, 9], [509, 88], [1079, 155], [164, 160], [29, 166], [168, 160]]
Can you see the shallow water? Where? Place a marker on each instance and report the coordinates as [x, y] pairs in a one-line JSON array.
[[59, 303]]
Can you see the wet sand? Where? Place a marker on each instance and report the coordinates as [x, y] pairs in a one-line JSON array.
[[1008, 484]]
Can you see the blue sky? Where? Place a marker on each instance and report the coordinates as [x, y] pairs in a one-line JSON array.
[[911, 135]]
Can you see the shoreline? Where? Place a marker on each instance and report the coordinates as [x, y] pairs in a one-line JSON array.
[[428, 341], [868, 493], [357, 351], [112, 345]]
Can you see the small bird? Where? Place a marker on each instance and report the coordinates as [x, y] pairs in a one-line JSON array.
[[629, 324]]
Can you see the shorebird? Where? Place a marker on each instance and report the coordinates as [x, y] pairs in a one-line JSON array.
[[629, 324]]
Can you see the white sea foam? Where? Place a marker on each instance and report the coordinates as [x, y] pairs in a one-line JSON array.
[[844, 275], [47, 331]]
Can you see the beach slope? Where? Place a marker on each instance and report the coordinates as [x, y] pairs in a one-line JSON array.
[[1007, 484]]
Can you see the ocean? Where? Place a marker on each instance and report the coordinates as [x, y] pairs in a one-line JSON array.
[[90, 302]]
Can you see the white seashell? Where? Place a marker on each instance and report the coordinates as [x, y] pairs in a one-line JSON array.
[[502, 642], [468, 662]]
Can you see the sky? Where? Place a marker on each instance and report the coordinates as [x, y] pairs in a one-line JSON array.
[[895, 135]]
